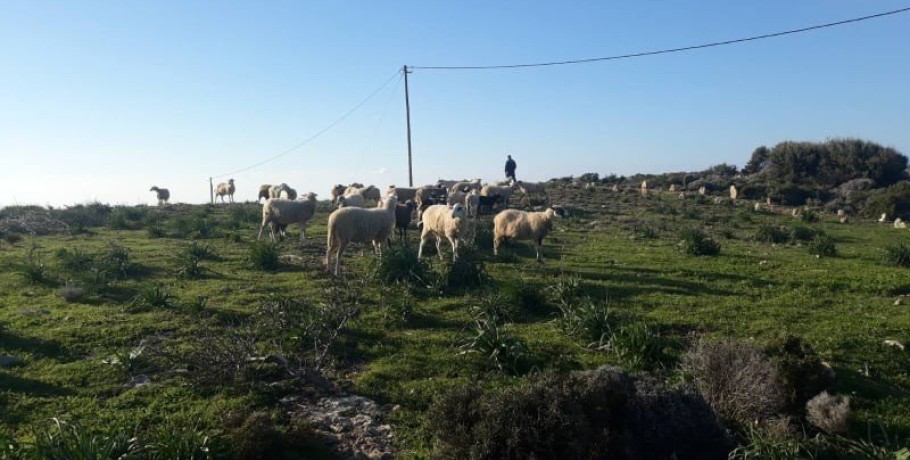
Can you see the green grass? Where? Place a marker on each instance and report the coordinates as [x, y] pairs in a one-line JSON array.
[[844, 306]]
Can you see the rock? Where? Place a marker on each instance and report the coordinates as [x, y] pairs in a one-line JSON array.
[[140, 380], [351, 424], [883, 218], [899, 223]]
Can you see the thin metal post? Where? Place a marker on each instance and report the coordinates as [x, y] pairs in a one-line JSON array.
[[407, 106]]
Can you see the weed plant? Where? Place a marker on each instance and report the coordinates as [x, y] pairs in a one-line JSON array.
[[897, 255], [822, 246], [263, 255], [695, 242]]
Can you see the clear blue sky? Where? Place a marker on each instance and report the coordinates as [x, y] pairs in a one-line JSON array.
[[103, 99]]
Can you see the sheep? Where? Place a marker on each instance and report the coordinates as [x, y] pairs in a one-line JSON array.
[[403, 193], [523, 225], [441, 221], [446, 184], [430, 194], [465, 185], [162, 193], [225, 188], [455, 198], [371, 193], [486, 202], [501, 193], [264, 190], [337, 191], [532, 187], [276, 191], [350, 201], [472, 203], [359, 225], [278, 212], [403, 215]]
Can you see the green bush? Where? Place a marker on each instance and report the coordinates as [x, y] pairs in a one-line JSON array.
[[263, 255], [640, 346], [399, 264], [893, 201], [467, 273], [803, 233], [498, 348], [526, 296], [588, 320], [126, 218], [770, 233], [897, 255], [151, 297], [822, 246], [695, 242], [808, 216], [33, 270]]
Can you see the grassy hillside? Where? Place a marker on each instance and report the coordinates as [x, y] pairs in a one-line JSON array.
[[407, 345]]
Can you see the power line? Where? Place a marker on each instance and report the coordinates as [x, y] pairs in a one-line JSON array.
[[665, 51], [314, 136]]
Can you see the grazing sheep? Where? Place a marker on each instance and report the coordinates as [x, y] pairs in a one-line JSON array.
[[430, 194], [163, 195], [225, 188], [277, 213], [403, 216], [734, 193], [358, 225], [350, 201], [264, 192], [523, 225], [441, 221], [501, 193], [883, 218], [644, 188], [527, 188]]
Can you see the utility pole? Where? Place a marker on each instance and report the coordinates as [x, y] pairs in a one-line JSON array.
[[407, 106], [211, 191]]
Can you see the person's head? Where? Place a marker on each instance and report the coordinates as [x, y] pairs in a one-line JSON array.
[[510, 156]]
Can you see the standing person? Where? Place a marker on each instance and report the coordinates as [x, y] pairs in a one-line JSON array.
[[510, 168]]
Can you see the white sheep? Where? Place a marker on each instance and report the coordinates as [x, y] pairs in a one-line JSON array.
[[371, 193], [465, 186], [359, 225], [501, 193], [527, 188], [337, 191], [282, 191], [441, 221], [350, 201], [277, 213], [523, 225], [225, 188], [163, 195]]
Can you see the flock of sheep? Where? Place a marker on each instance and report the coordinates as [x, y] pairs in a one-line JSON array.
[[443, 211]]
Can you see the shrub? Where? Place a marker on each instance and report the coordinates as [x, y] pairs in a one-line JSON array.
[[201, 251], [263, 255], [526, 296], [566, 291], [897, 255], [639, 347], [71, 291], [762, 445], [770, 233], [193, 226], [738, 381], [33, 270], [173, 441], [466, 273], [149, 297], [800, 372], [116, 261], [189, 267], [644, 232], [822, 246], [587, 319], [73, 441], [493, 307], [498, 348], [803, 233], [695, 242], [399, 264], [808, 216], [893, 201], [829, 413]]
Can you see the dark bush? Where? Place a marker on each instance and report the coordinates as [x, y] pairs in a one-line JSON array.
[[800, 371], [770, 233], [598, 414], [800, 233], [263, 435], [695, 242], [822, 246], [738, 381], [526, 296], [893, 201], [263, 255], [399, 264], [897, 255], [467, 273]]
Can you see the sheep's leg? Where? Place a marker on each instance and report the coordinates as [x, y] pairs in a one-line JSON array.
[[439, 246], [454, 242], [423, 240], [537, 245], [496, 242], [302, 233], [261, 227]]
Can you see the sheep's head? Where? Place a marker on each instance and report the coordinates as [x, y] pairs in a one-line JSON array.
[[410, 204], [458, 211], [310, 196], [560, 211], [153, 189], [231, 181]]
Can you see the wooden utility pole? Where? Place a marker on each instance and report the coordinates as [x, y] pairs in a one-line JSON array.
[[211, 191], [407, 106]]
